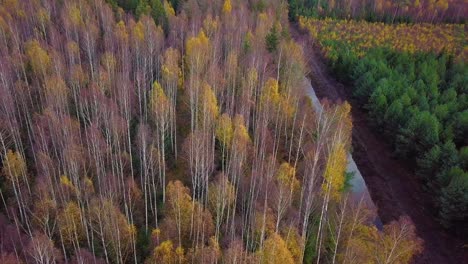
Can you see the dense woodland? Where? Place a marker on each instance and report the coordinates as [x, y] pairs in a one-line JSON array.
[[413, 81], [388, 11], [173, 132]]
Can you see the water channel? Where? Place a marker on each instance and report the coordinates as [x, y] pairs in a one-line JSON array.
[[359, 191]]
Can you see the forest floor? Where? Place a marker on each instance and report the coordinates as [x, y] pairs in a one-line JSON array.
[[392, 184]]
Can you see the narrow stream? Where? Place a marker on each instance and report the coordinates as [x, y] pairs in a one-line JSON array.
[[359, 189]]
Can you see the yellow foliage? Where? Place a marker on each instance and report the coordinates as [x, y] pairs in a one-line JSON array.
[[179, 211], [121, 31], [335, 171], [74, 14], [158, 102], [252, 77], [65, 181], [205, 254], [170, 69], [214, 244], [55, 87], [118, 233], [222, 195], [108, 61], [360, 246], [442, 5], [43, 16], [209, 102], [286, 177], [397, 243], [287, 107], [410, 38], [185, 214], [157, 93], [131, 229], [344, 111], [89, 185], [270, 93], [13, 166], [203, 40], [73, 48], [139, 31], [197, 50], [180, 254], [278, 26], [197, 43], [70, 225], [263, 16], [224, 130], [38, 57], [210, 25], [168, 8], [165, 253], [265, 221], [227, 7], [294, 66], [275, 251], [156, 232], [178, 196], [241, 134], [294, 243]]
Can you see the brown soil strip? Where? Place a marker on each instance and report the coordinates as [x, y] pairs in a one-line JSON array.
[[394, 188]]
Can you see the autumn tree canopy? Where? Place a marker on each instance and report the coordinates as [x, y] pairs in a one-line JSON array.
[[151, 131]]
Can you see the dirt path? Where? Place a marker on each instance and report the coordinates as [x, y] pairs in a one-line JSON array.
[[392, 185]]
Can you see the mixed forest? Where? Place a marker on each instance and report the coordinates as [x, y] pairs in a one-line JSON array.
[[153, 131], [388, 11], [412, 79]]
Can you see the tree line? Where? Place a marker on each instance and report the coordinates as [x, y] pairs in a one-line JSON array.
[[400, 11], [419, 101]]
